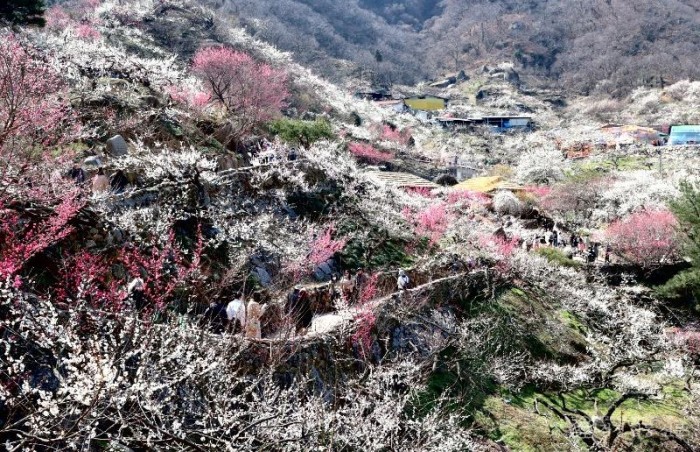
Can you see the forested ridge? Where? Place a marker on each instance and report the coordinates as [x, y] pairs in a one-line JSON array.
[[600, 46]]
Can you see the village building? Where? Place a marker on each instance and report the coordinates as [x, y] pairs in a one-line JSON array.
[[496, 123], [624, 135], [396, 105], [684, 135], [463, 172], [455, 123], [505, 123], [402, 180]]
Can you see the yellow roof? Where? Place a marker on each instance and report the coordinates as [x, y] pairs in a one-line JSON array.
[[428, 103], [486, 184]]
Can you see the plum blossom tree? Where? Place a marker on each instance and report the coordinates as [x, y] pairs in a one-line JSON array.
[[162, 270], [250, 92], [366, 318], [322, 246], [431, 222], [33, 110], [368, 153], [20, 240], [87, 277], [646, 238]]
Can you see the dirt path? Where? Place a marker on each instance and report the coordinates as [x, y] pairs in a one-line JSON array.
[[344, 319]]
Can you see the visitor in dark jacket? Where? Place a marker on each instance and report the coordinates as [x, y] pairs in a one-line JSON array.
[[299, 309]]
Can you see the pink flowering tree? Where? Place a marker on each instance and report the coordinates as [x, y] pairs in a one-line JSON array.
[[368, 153], [87, 276], [538, 191], [33, 109], [322, 246], [21, 240], [87, 32], [365, 319], [646, 238], [57, 19], [162, 269], [189, 96], [688, 338], [390, 133], [431, 222], [250, 92]]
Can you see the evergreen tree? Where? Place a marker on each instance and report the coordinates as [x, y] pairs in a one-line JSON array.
[[22, 12], [686, 285], [378, 56]]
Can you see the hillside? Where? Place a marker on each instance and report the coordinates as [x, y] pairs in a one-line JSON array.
[[206, 243], [601, 47]]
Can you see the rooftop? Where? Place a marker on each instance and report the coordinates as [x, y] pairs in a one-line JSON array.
[[401, 180]]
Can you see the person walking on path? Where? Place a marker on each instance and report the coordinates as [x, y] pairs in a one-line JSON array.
[[298, 309], [77, 174], [403, 282], [254, 311], [236, 313]]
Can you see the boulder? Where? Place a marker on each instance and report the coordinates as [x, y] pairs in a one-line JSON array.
[[117, 147], [263, 276], [506, 203], [325, 268], [444, 83], [445, 180], [512, 77], [92, 163]]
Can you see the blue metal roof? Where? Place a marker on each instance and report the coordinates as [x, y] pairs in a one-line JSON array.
[[685, 129], [684, 135]]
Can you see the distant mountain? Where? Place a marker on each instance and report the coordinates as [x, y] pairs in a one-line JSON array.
[[598, 46], [409, 12]]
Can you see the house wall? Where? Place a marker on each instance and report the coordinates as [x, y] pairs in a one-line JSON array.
[[517, 122]]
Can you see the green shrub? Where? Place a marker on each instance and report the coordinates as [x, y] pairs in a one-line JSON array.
[[685, 286], [298, 132]]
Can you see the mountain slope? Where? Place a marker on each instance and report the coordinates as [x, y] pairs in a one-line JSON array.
[[120, 320], [603, 46]]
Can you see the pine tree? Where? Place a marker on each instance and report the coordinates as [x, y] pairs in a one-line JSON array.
[[686, 285], [22, 12]]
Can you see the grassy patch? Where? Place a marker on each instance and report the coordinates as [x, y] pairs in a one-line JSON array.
[[548, 335], [573, 322], [557, 257], [592, 169], [660, 411], [510, 418], [519, 427]]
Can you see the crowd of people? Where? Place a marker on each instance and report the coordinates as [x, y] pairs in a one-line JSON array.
[[572, 245], [245, 317]]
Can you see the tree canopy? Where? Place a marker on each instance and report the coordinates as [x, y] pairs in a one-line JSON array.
[[687, 209], [23, 12]]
